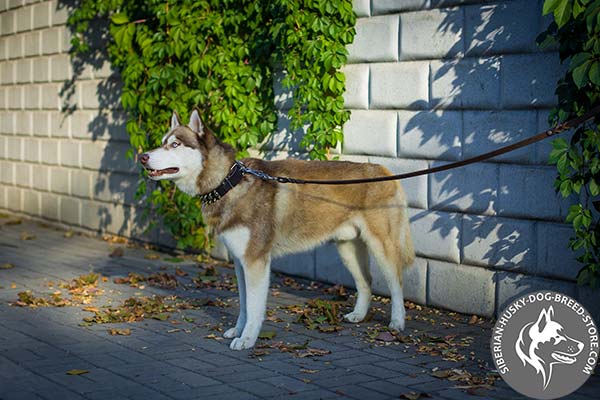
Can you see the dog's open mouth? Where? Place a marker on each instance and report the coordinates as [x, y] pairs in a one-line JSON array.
[[159, 172], [563, 358]]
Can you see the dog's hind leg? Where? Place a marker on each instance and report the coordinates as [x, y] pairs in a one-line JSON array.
[[394, 281], [387, 257], [355, 256], [256, 274], [236, 331]]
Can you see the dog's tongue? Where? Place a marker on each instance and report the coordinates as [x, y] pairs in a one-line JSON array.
[[158, 172]]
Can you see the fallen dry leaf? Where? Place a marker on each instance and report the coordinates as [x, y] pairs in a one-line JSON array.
[[309, 371], [27, 299], [120, 332], [77, 371], [83, 288], [442, 373], [137, 309], [152, 256], [311, 352], [117, 252], [68, 234], [114, 239], [180, 272], [385, 337], [7, 266], [291, 283], [161, 316], [266, 335], [259, 353], [27, 236], [160, 279], [338, 291], [473, 320]]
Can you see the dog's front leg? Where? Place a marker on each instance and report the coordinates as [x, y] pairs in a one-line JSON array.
[[256, 274], [236, 331]]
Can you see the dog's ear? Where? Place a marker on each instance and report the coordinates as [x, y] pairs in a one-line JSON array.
[[544, 318], [196, 123], [175, 120]]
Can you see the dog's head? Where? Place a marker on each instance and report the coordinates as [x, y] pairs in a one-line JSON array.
[[544, 343], [180, 155]]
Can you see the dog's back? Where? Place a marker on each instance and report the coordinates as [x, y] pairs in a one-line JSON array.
[[305, 215]]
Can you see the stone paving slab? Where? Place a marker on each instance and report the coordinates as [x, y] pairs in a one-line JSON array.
[[184, 357]]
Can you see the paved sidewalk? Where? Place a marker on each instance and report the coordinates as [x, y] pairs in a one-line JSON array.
[[54, 343]]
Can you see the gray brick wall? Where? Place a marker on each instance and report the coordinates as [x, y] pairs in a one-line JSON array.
[[61, 155], [428, 81]]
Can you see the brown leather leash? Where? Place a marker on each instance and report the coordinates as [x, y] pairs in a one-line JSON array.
[[482, 157]]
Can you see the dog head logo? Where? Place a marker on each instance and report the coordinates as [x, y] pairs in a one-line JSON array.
[[544, 343]]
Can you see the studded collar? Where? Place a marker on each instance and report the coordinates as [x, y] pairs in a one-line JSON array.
[[235, 175]]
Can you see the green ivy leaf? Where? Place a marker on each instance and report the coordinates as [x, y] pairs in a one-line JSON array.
[[578, 8], [549, 6], [579, 59], [119, 19], [594, 73], [594, 188], [562, 12], [580, 74]]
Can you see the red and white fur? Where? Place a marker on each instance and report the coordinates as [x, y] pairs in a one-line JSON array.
[[259, 220]]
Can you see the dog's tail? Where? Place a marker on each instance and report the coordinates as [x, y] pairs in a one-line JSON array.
[[407, 256]]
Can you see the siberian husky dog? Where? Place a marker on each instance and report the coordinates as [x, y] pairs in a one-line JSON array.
[[258, 220]]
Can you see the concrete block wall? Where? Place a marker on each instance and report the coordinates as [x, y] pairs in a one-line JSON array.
[[431, 82], [428, 82], [62, 132]]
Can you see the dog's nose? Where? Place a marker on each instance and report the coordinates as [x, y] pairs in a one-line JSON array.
[[144, 158]]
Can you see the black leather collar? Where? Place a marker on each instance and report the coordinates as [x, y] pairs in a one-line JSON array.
[[235, 175]]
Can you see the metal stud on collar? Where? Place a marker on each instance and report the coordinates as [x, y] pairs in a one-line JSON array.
[[210, 198]]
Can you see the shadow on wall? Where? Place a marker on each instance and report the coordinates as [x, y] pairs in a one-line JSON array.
[[473, 110], [285, 141], [93, 95]]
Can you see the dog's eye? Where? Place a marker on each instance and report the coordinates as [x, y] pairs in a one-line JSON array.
[[174, 144], [558, 339]]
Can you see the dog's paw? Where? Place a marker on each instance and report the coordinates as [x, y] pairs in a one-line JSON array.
[[354, 317], [397, 324], [242, 343], [231, 333]]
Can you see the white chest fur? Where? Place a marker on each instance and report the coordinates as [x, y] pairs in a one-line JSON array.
[[187, 184], [236, 240]]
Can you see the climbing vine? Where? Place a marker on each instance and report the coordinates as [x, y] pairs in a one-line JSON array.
[[576, 32], [220, 55]]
